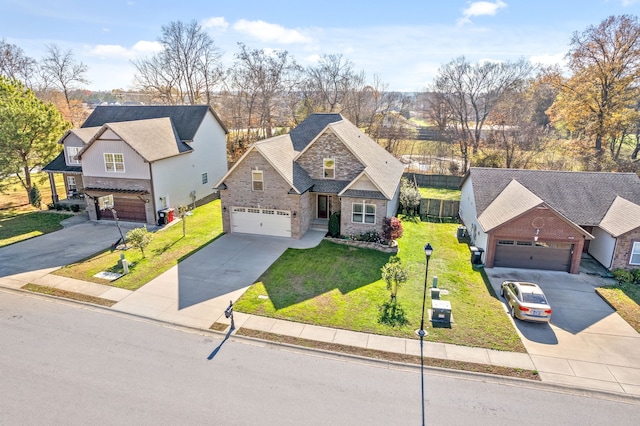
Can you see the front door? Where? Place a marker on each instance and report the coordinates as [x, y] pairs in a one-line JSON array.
[[323, 207]]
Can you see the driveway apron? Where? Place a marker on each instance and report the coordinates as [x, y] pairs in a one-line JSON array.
[[59, 248], [587, 341], [199, 288]]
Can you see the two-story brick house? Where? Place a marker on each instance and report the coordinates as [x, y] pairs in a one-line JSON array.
[[284, 185]]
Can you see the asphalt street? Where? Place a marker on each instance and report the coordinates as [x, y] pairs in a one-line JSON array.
[[67, 363]]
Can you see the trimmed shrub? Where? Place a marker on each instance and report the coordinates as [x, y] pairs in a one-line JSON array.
[[391, 228], [75, 208], [622, 276], [636, 275], [334, 224], [35, 199]]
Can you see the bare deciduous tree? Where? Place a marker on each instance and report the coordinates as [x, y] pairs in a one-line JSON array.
[[15, 65], [186, 71], [60, 69], [328, 83]]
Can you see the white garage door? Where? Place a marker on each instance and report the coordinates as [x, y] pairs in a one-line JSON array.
[[261, 221]]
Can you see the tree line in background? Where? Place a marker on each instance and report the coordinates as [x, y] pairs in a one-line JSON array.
[[495, 114]]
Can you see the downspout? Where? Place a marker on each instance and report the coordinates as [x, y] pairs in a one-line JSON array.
[[153, 196]]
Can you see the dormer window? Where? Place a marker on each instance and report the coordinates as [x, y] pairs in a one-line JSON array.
[[329, 168], [72, 155]]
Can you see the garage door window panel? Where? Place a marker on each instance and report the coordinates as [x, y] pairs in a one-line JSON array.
[[635, 254]]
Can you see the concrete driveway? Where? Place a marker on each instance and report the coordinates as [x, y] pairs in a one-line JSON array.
[[197, 290], [60, 248], [586, 339]]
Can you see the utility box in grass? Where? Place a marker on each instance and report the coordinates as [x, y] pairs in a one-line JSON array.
[[440, 311]]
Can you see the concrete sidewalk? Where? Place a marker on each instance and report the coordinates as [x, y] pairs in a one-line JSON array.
[[183, 295]]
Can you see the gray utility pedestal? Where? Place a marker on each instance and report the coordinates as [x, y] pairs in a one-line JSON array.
[[440, 311]]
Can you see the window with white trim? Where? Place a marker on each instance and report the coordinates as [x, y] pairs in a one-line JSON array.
[[363, 213], [71, 183], [635, 254], [72, 154], [257, 180], [205, 178], [329, 168], [114, 162]]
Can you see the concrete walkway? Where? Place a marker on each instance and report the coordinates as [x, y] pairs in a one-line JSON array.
[[184, 295]]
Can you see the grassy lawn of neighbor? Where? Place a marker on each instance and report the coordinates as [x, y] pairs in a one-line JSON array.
[[440, 193], [167, 248], [16, 227], [625, 299], [341, 287]]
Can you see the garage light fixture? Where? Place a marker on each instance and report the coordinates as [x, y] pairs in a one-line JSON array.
[[535, 238]]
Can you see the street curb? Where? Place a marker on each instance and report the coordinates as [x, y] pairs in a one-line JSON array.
[[468, 375]]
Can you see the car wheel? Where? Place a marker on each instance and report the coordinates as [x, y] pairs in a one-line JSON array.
[[513, 312], [502, 292]]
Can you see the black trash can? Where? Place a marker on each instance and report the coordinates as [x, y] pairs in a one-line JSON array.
[[162, 217], [476, 255]]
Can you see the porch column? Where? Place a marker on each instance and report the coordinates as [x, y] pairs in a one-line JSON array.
[[54, 194]]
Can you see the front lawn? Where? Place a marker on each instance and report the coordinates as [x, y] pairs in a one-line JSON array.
[[16, 226], [341, 287], [440, 193], [167, 248], [625, 299]]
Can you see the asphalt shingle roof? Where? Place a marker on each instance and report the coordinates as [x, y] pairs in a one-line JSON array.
[[582, 197], [59, 164], [305, 132], [186, 118], [153, 139]]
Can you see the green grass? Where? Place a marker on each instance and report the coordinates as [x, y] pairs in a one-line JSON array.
[[341, 287], [440, 193], [15, 227], [167, 248], [625, 299]]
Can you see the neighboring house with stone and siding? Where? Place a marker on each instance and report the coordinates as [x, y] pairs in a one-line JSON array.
[[143, 158], [288, 184], [540, 219]]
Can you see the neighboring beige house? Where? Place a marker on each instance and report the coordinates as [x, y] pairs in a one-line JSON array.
[[285, 185], [540, 219], [143, 159]]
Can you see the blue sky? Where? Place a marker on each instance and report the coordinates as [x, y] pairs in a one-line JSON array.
[[402, 42]]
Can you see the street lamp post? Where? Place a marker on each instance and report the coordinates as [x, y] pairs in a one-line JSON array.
[[428, 250]]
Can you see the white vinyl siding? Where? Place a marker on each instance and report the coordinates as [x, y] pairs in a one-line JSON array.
[[114, 162]]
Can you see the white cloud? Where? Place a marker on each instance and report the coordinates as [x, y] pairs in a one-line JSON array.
[[626, 3], [115, 51], [480, 8], [267, 32], [216, 22]]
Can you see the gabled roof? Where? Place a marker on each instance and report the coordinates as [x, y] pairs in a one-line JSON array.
[[84, 134], [383, 169], [186, 118], [623, 216], [153, 139], [512, 202], [310, 128], [582, 197]]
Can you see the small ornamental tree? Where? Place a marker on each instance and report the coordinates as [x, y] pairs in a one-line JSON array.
[[409, 196], [391, 229], [139, 238], [35, 199], [394, 275], [334, 224]]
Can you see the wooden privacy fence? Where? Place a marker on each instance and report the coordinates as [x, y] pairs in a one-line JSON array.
[[439, 209], [434, 181]]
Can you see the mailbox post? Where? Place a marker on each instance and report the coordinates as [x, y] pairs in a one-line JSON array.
[[228, 313]]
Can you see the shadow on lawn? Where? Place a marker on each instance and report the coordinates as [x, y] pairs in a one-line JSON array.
[[392, 314], [301, 275]]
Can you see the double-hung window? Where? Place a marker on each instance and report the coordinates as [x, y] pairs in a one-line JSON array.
[[635, 254], [363, 213], [114, 162], [205, 178], [329, 168], [257, 180], [72, 154]]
